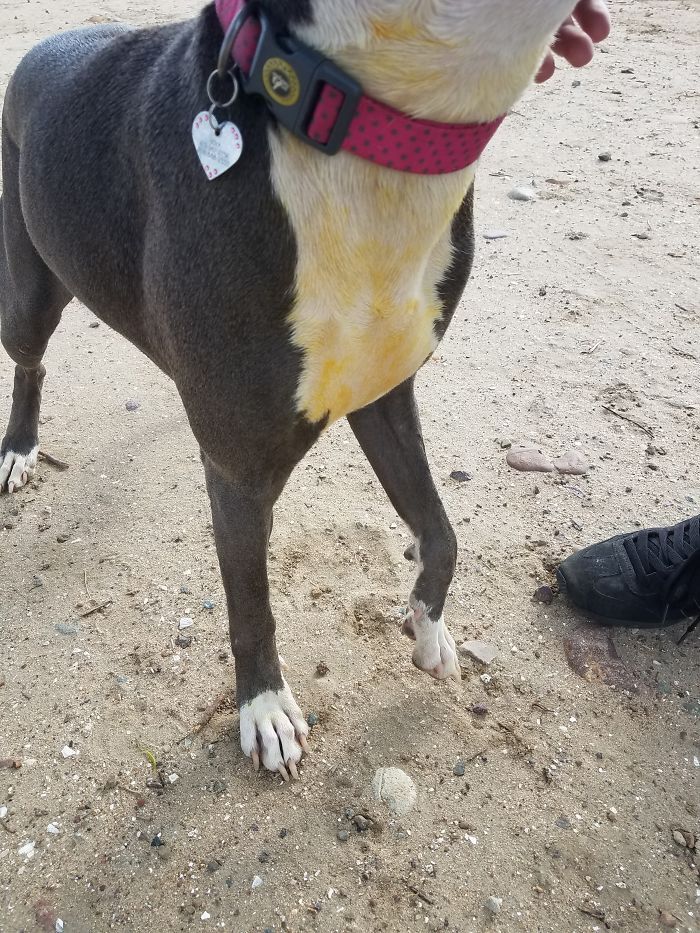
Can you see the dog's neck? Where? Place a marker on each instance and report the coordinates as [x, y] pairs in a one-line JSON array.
[[448, 60]]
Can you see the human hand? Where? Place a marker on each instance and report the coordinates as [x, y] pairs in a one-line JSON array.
[[575, 38]]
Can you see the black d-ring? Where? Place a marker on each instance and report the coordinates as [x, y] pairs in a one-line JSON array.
[[227, 45]]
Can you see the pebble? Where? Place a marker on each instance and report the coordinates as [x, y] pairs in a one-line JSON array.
[[264, 857], [343, 835], [480, 709], [257, 882], [481, 651], [27, 850], [494, 904], [544, 594], [523, 193], [208, 604], [69, 752], [206, 915], [133, 405], [157, 841], [572, 463], [495, 234], [185, 623], [604, 156], [63, 628], [361, 822], [312, 719], [53, 829], [679, 837], [396, 789], [62, 538], [461, 476], [59, 928], [183, 641], [173, 778], [459, 769], [529, 460]]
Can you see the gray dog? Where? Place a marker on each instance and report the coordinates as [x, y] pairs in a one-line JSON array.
[[279, 285]]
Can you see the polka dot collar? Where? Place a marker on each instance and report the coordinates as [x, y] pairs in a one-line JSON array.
[[324, 106]]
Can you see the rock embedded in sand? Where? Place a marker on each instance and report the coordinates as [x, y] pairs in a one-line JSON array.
[[572, 463], [494, 904], [481, 651], [544, 594], [396, 789], [523, 193], [529, 460]]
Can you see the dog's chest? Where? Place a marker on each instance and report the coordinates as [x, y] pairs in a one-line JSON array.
[[372, 247]]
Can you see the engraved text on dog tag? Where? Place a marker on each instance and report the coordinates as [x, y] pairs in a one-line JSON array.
[[219, 145]]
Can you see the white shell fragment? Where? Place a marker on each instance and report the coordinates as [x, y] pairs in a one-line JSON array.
[[396, 789]]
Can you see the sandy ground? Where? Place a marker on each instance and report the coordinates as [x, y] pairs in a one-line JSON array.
[[572, 789]]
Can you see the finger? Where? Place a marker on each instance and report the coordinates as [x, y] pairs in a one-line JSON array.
[[293, 769], [256, 761], [594, 18], [574, 45], [283, 774], [304, 744]]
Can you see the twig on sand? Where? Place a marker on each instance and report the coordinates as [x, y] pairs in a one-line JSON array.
[[210, 712], [54, 461], [108, 602], [638, 424]]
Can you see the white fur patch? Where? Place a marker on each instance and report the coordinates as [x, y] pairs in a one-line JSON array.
[[373, 244], [270, 725], [17, 469], [435, 651], [450, 60]]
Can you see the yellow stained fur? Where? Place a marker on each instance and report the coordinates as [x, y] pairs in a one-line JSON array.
[[372, 247], [373, 244]]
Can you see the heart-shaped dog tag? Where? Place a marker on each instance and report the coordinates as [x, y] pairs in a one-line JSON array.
[[219, 145]]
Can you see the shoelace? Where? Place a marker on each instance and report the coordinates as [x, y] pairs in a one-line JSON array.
[[673, 553], [683, 591], [660, 550]]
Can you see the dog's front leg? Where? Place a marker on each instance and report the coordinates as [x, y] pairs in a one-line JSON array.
[[389, 433], [273, 729]]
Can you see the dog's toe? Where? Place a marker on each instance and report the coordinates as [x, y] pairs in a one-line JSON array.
[[274, 731], [17, 469]]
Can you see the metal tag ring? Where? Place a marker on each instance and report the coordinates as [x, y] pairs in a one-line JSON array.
[[210, 90]]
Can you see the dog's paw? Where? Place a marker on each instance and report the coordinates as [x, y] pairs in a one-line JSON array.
[[17, 469], [274, 732], [435, 651]]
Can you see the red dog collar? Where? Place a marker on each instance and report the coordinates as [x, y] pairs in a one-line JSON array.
[[324, 106]]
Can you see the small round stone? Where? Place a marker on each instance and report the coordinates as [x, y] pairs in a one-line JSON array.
[[343, 835], [494, 904]]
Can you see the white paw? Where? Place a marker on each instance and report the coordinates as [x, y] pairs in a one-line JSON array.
[[17, 469], [274, 731], [435, 651]]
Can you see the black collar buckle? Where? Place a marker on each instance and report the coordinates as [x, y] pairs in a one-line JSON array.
[[290, 77]]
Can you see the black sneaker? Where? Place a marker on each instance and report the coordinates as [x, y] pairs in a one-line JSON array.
[[644, 579]]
